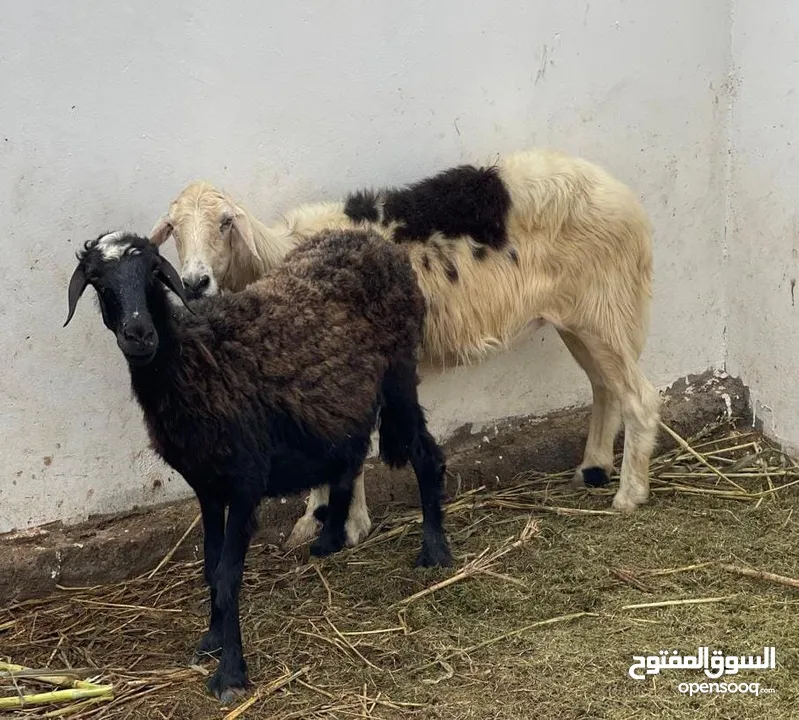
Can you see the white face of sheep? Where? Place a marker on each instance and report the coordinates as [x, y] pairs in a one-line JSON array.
[[209, 229]]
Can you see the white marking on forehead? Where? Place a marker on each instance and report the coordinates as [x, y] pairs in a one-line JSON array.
[[135, 313], [112, 246]]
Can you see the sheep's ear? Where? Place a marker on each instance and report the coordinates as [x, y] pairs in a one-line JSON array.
[[162, 231], [76, 287], [243, 228], [169, 276]]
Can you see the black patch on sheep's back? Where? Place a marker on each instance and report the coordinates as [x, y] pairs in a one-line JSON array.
[[595, 477], [464, 200], [480, 252], [514, 256], [362, 206]]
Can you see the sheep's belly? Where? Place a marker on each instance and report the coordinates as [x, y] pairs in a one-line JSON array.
[[442, 341]]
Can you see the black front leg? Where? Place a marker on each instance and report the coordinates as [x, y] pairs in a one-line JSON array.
[[213, 513], [230, 678], [334, 517], [341, 474]]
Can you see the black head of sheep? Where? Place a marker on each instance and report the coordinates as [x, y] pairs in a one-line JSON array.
[[125, 270]]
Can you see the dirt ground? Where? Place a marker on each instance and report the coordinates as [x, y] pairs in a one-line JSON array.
[[537, 619]]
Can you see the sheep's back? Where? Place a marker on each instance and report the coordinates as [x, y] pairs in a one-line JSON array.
[[314, 337]]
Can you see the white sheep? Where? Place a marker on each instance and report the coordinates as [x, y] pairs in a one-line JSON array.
[[537, 238]]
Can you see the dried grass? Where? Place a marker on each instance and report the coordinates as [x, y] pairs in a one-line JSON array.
[[551, 596]]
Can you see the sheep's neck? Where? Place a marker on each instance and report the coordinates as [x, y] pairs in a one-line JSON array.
[[273, 244]]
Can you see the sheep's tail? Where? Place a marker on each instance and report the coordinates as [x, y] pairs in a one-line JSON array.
[[394, 450], [402, 421]]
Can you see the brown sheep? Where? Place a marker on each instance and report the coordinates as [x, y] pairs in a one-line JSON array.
[[271, 391]]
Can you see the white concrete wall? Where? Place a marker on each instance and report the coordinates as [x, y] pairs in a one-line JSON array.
[[763, 227], [107, 110]]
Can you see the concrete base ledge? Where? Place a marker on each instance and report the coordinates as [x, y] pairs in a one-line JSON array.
[[124, 545]]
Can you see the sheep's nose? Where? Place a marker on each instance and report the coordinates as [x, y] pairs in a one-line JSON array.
[[196, 286], [138, 333]]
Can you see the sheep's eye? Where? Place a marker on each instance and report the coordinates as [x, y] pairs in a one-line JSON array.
[[226, 223]]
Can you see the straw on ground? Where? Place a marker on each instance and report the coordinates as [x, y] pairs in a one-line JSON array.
[[548, 590]]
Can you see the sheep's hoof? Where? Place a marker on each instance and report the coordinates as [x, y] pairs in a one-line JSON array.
[[228, 684], [357, 528], [209, 648], [326, 545], [304, 530], [231, 695], [435, 553], [628, 502], [595, 477], [592, 477]]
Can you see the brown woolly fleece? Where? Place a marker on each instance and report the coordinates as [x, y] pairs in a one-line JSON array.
[[314, 336]]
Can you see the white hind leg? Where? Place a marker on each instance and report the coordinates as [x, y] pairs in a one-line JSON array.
[[639, 403], [597, 464], [640, 412], [307, 527], [358, 521]]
